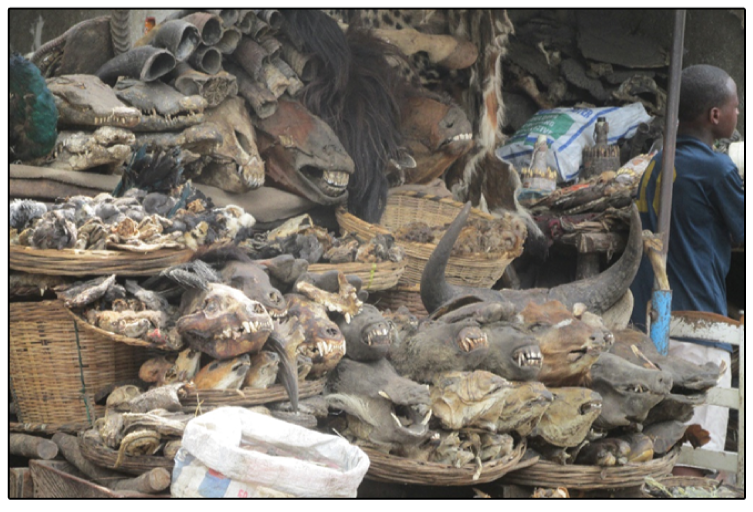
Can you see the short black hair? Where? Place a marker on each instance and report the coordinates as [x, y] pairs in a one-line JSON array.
[[702, 88]]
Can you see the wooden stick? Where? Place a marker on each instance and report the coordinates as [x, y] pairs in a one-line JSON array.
[[151, 482], [72, 452], [32, 447]]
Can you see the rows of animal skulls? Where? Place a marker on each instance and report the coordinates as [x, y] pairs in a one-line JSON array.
[[461, 386]]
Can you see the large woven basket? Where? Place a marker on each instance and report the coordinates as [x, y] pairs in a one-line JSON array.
[[374, 276], [400, 470], [574, 476], [56, 367], [479, 270], [73, 262]]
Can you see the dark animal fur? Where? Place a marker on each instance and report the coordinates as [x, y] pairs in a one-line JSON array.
[[357, 95]]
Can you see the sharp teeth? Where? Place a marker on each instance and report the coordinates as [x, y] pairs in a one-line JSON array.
[[397, 420], [383, 394], [426, 418]]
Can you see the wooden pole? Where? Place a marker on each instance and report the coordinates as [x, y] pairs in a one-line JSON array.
[[670, 130], [32, 447]]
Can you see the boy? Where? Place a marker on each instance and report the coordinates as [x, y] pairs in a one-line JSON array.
[[708, 209]]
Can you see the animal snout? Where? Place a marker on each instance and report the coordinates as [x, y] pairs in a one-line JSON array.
[[331, 331]]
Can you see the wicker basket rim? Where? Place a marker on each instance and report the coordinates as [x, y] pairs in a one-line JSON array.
[[545, 473], [423, 250], [251, 396], [95, 255], [111, 335], [423, 471], [439, 199]]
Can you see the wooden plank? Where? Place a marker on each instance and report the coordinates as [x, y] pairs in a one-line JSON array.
[[609, 243], [20, 483], [59, 479], [723, 461], [706, 326], [724, 397]]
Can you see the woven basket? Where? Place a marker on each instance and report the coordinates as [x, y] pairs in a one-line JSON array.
[[72, 262], [375, 276], [400, 470], [83, 324], [481, 270], [408, 296], [248, 397], [56, 367], [574, 476], [102, 455]]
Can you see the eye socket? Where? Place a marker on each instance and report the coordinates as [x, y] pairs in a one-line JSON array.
[[539, 326], [210, 305]]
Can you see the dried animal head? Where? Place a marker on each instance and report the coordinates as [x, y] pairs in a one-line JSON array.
[[263, 370], [437, 347], [222, 322], [235, 165], [569, 345], [436, 131], [514, 351], [107, 148], [524, 405], [303, 154], [323, 343], [628, 391], [687, 377], [568, 419], [84, 100], [228, 374], [162, 107], [368, 335], [469, 399], [383, 408]]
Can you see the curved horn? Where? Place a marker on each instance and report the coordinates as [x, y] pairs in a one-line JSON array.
[[207, 59], [599, 293], [435, 290], [146, 63], [209, 25], [229, 40], [178, 36]]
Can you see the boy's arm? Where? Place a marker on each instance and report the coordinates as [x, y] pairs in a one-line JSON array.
[[729, 196]]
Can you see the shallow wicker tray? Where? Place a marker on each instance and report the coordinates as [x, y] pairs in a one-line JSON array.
[[391, 469], [73, 262], [375, 276], [574, 476], [248, 396], [81, 322], [480, 270], [102, 455]]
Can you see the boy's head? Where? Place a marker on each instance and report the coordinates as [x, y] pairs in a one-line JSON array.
[[708, 96]]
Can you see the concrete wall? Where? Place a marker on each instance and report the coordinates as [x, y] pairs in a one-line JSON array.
[[712, 36]]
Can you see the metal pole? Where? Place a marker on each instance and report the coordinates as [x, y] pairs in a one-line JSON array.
[[670, 130], [661, 300]]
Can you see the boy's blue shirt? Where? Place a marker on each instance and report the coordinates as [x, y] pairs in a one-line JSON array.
[[708, 215]]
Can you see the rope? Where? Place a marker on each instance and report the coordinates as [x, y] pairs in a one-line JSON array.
[[81, 374]]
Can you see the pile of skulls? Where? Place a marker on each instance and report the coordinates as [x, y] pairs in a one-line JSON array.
[[303, 239], [138, 221], [193, 82]]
